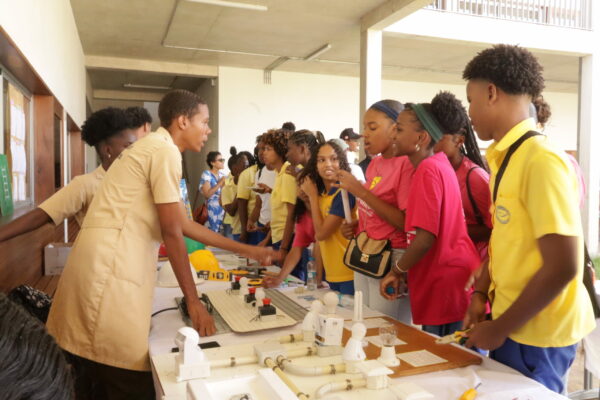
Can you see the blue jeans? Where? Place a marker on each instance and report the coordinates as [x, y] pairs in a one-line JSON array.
[[443, 330], [227, 231], [547, 365], [346, 287], [236, 237]]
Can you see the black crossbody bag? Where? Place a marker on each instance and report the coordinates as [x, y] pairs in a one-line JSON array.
[[588, 266]]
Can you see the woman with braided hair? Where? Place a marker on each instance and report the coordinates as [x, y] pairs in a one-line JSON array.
[[459, 144]]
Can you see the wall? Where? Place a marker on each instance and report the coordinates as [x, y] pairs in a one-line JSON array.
[[248, 107], [195, 163], [45, 32]]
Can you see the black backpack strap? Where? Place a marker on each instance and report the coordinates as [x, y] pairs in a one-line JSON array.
[[478, 215], [509, 154]]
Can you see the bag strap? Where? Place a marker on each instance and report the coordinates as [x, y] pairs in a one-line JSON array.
[[509, 154], [478, 215]]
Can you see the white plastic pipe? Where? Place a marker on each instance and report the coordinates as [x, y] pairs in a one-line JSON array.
[[301, 352], [331, 369], [233, 361], [348, 384]]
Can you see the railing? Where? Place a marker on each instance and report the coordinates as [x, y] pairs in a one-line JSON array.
[[564, 13]]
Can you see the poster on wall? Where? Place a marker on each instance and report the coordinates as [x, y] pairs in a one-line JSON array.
[[6, 201], [18, 153]]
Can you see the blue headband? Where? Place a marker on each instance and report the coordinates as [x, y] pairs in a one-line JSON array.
[[428, 122], [387, 110]]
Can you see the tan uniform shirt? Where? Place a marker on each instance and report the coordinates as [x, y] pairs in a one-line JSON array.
[[103, 303], [75, 198]]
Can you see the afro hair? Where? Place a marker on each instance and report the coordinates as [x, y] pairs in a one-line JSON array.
[[104, 124], [139, 116], [449, 112], [513, 69], [278, 139]]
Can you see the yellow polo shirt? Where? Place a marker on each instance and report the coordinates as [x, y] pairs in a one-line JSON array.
[[284, 191], [102, 307], [334, 247], [228, 195], [537, 196], [245, 182], [75, 198]]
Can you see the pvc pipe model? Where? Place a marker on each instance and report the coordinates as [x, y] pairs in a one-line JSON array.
[[233, 361], [358, 306], [291, 338], [346, 204], [271, 364], [331, 301], [331, 369], [348, 384]]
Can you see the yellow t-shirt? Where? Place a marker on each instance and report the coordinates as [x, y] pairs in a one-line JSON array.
[[284, 191], [228, 195], [102, 307], [245, 182], [75, 198], [334, 247], [537, 196]]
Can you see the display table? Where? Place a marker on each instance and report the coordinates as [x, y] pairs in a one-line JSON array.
[[497, 381]]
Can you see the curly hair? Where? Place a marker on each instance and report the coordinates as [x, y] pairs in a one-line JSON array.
[[311, 171], [453, 119], [278, 140], [513, 69], [290, 126], [32, 366], [104, 124], [542, 110], [138, 116], [178, 102]]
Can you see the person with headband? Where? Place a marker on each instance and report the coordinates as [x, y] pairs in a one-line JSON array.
[[381, 201], [440, 256], [109, 131]]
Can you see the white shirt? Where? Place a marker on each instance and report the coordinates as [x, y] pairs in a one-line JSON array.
[[267, 177]]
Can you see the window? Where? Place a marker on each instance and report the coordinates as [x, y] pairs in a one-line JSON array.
[[16, 112]]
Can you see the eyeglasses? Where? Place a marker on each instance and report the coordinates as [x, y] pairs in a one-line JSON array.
[[220, 159]]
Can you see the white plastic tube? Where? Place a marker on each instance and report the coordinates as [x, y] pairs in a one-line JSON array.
[[233, 361], [348, 384], [269, 362], [294, 369], [301, 352]]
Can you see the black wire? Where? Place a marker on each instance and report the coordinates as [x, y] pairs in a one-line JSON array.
[[166, 309]]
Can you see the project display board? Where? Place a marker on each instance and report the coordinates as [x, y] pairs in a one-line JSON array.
[[6, 200], [418, 352]]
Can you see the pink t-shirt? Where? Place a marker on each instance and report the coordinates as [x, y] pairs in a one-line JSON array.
[[436, 283], [480, 190], [388, 179], [304, 231]]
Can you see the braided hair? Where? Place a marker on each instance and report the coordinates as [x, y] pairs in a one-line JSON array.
[[453, 119]]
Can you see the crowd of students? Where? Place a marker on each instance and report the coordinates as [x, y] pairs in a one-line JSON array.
[[495, 247]]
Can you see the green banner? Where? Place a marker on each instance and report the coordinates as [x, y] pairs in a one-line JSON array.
[[6, 201]]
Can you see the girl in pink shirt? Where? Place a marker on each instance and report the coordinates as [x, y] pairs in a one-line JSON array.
[[440, 256], [460, 146], [381, 200]]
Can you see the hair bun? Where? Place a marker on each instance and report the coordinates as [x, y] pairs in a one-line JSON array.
[[449, 112], [232, 151]]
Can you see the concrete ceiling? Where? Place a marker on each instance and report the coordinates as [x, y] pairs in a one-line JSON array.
[[149, 29]]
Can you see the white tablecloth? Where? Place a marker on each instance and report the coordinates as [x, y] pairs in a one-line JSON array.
[[498, 381]]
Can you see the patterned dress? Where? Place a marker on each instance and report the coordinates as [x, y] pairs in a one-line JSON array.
[[215, 211]]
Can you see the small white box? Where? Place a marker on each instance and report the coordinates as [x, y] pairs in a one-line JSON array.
[[55, 257]]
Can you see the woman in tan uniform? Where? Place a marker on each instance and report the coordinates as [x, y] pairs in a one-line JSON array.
[[109, 130], [101, 311]]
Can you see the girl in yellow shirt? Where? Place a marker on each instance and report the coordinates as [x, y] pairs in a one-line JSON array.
[[318, 181]]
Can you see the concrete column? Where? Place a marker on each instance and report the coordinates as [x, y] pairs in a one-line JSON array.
[[589, 144], [370, 69]]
